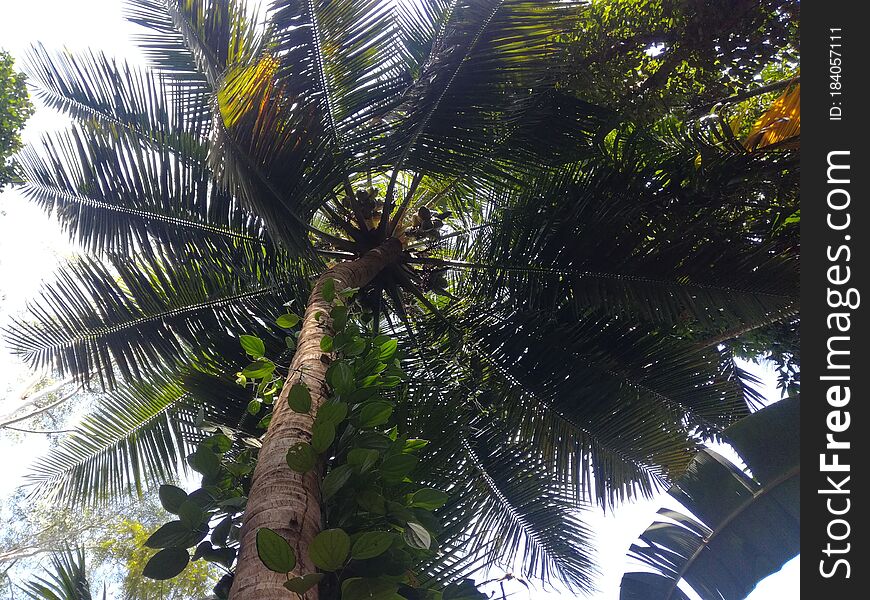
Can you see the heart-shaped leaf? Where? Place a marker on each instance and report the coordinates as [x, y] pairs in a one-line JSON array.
[[299, 398], [253, 345], [334, 480], [259, 369], [417, 536], [274, 551], [322, 436], [340, 377], [171, 497], [371, 544], [375, 413], [332, 413], [166, 564], [329, 549], [301, 457]]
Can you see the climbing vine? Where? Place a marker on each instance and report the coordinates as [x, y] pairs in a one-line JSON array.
[[378, 522]]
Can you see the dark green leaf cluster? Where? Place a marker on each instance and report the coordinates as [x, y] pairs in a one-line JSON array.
[[648, 57]]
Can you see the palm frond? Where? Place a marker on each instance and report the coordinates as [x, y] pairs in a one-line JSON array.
[[482, 74], [139, 315], [66, 579], [193, 41], [108, 94], [344, 56], [112, 194], [140, 435], [743, 525], [506, 510], [585, 237]]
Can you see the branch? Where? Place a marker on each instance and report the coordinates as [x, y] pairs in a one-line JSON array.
[[5, 424]]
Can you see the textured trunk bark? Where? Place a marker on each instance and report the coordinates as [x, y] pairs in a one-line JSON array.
[[280, 499]]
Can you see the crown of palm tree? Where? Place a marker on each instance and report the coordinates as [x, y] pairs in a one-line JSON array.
[[560, 272]]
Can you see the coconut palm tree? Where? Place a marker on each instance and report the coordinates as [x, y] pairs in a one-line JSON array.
[[559, 278]]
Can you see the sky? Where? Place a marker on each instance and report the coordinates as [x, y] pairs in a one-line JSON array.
[[32, 246]]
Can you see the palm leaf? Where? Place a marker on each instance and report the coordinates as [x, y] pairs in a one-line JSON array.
[[744, 525], [138, 316], [138, 436], [113, 194], [67, 578]]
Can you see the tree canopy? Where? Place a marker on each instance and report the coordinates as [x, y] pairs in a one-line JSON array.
[[563, 268]]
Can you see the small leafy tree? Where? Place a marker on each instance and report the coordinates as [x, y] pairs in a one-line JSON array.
[[15, 109]]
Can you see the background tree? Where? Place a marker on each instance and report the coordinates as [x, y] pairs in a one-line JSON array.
[[15, 109], [650, 58], [111, 538], [558, 274]]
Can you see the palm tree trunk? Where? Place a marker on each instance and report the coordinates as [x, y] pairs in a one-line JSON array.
[[281, 499]]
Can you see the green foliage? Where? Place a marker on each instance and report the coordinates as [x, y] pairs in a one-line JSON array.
[[15, 109], [552, 323], [379, 522], [645, 58], [738, 526], [66, 578]]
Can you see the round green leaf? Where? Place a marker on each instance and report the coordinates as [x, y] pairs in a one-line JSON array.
[[287, 321], [332, 412], [428, 498], [204, 461], [326, 343], [301, 457], [371, 544], [300, 585], [362, 458], [369, 588], [340, 377], [334, 480], [191, 513], [329, 549], [356, 347], [396, 468], [375, 413], [339, 318], [417, 536], [322, 436], [253, 345], [328, 290], [274, 551], [166, 564], [171, 497], [254, 407], [299, 398]]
